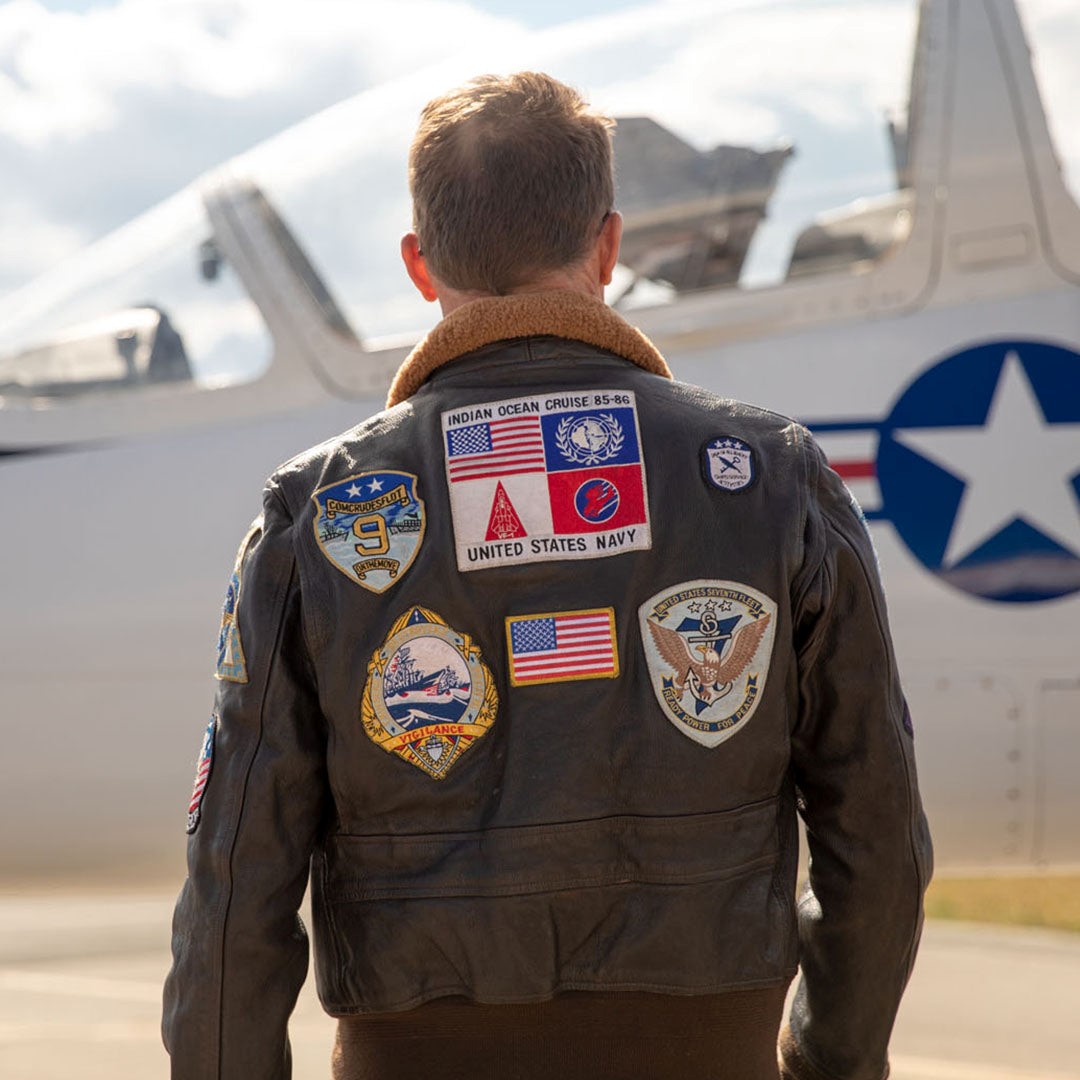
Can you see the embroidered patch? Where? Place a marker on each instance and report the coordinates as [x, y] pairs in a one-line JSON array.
[[504, 523], [429, 695], [708, 646], [728, 463], [202, 777], [370, 526], [562, 646], [231, 666], [556, 476]]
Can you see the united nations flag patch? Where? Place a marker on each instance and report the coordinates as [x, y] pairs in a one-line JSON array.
[[708, 646], [370, 526], [429, 695]]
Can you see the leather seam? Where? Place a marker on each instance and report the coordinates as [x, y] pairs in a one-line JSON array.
[[561, 828], [462, 888], [277, 607]]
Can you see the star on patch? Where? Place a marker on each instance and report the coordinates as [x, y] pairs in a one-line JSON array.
[[370, 526], [561, 646], [708, 674], [727, 463]]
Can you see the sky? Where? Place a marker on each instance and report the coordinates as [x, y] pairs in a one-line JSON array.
[[108, 107]]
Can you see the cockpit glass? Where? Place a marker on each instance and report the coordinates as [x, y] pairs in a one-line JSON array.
[[149, 303]]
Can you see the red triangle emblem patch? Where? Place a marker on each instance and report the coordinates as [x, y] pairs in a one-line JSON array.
[[504, 523]]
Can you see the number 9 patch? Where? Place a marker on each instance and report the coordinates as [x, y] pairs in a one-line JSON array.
[[370, 526]]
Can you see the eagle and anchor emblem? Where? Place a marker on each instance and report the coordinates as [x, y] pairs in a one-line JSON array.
[[708, 646]]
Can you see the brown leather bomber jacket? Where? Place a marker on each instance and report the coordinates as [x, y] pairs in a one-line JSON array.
[[532, 672]]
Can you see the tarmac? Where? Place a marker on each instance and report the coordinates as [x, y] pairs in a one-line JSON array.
[[81, 975]]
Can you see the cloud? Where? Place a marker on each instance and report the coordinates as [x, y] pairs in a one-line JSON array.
[[740, 78], [105, 112], [33, 241], [67, 73]]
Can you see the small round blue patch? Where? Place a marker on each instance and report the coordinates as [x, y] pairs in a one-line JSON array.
[[596, 501]]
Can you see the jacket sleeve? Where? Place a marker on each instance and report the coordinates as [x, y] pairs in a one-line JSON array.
[[860, 917], [240, 951]]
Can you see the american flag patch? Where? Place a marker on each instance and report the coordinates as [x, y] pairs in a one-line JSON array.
[[202, 777], [562, 645], [498, 448]]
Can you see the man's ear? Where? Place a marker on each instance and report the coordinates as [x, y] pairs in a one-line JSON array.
[[608, 245], [416, 266]]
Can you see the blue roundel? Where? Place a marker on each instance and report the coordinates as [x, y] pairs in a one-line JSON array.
[[979, 466], [596, 500]]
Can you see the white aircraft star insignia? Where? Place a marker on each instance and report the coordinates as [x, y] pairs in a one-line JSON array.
[[1015, 442]]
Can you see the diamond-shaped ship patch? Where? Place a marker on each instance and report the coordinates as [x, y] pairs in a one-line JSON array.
[[429, 695]]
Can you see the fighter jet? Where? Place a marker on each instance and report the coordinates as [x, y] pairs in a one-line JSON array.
[[930, 338]]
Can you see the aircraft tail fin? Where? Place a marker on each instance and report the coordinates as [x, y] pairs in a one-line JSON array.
[[977, 143]]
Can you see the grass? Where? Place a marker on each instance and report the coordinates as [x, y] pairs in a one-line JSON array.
[[1047, 901]]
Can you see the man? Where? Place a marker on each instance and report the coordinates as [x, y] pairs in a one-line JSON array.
[[533, 668]]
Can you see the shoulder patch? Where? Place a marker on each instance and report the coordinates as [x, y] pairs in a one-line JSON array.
[[370, 526], [231, 666], [561, 646], [555, 476], [708, 645], [728, 463], [429, 695], [202, 776]]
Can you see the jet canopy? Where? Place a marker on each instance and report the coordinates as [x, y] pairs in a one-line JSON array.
[[128, 348]]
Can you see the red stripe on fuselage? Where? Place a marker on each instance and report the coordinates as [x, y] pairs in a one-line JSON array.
[[854, 470]]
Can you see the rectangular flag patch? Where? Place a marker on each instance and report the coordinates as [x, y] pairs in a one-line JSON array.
[[561, 646], [555, 476]]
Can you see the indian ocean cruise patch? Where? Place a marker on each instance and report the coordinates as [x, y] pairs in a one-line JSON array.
[[231, 665], [202, 777], [561, 646], [708, 646], [370, 526], [554, 476], [728, 463], [429, 695]]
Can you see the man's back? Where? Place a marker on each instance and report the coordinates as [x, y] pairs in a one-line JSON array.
[[533, 669]]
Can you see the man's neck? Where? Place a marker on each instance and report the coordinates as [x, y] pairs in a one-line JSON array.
[[581, 279]]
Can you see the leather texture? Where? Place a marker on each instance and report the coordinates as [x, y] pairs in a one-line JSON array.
[[584, 843]]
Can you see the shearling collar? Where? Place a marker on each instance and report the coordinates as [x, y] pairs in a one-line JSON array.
[[498, 318]]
